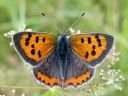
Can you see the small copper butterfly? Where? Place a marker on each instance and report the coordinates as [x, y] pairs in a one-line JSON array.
[[63, 61]]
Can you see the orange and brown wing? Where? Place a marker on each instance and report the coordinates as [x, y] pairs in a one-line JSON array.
[[87, 51], [48, 72], [38, 49], [91, 47], [34, 47], [77, 71], [76, 81]]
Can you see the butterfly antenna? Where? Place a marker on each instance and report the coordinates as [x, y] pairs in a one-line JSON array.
[[76, 21], [60, 31]]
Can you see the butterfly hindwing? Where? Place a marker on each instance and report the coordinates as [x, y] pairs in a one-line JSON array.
[[48, 72], [77, 71], [33, 47], [92, 47]]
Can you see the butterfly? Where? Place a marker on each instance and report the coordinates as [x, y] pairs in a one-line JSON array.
[[63, 61]]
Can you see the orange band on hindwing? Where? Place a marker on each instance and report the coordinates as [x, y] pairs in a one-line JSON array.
[[47, 80], [79, 80]]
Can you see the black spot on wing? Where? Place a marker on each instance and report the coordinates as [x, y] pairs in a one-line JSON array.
[[55, 83], [89, 40], [93, 53], [98, 40], [93, 47], [97, 36], [29, 35], [86, 54], [37, 39], [99, 44], [78, 83], [39, 53], [33, 51], [27, 41], [48, 84], [43, 39], [32, 46], [82, 40]]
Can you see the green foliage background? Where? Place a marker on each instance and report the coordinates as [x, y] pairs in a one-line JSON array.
[[109, 16]]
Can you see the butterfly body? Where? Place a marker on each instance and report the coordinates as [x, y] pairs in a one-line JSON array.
[[63, 48], [62, 61]]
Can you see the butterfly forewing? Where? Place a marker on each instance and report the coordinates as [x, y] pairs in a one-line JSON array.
[[91, 47], [34, 47]]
